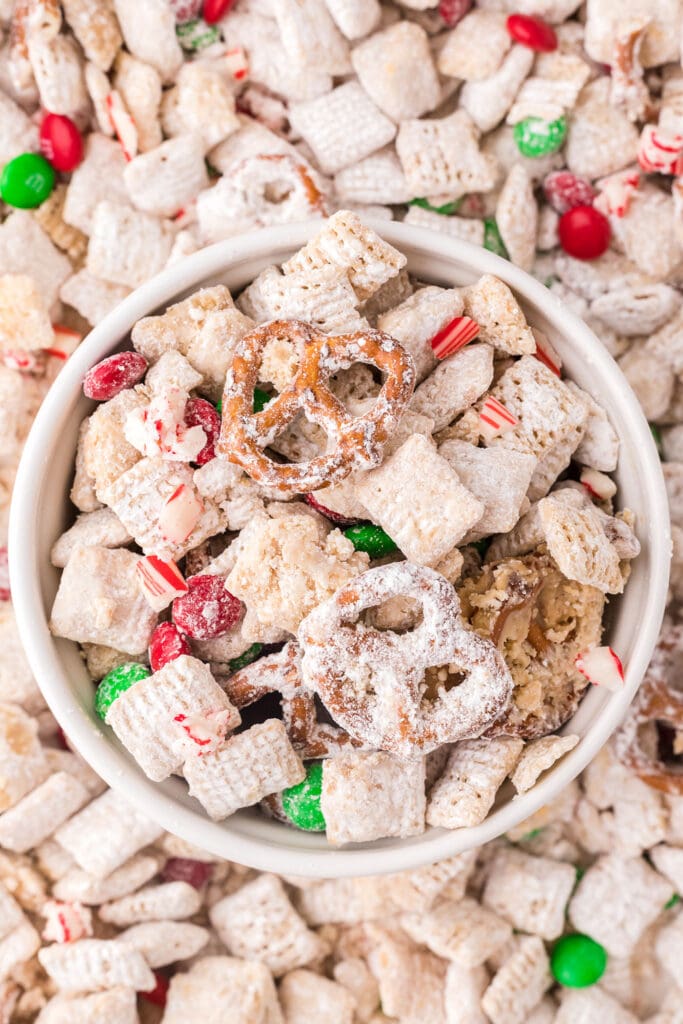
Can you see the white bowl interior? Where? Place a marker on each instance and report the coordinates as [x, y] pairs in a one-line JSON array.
[[41, 510]]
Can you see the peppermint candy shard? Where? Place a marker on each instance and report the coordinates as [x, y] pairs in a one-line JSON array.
[[160, 581], [236, 63], [454, 336], [64, 343], [207, 731], [495, 419], [180, 514], [659, 152], [545, 358], [122, 124], [598, 485], [602, 667]]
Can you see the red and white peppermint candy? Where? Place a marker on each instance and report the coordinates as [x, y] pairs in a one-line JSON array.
[[602, 667], [660, 152], [453, 11], [23, 361], [64, 343], [565, 190], [546, 353], [180, 514], [615, 193], [236, 62], [161, 581], [122, 124], [206, 731], [159, 429], [5, 594], [334, 517], [454, 336], [495, 419], [66, 922], [599, 485]]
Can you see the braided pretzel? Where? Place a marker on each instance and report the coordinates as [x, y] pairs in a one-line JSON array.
[[281, 673], [403, 693], [358, 441]]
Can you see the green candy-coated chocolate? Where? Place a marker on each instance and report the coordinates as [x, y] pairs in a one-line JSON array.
[[493, 240], [261, 399], [251, 654], [578, 961], [27, 181], [301, 803], [672, 902], [371, 539], [117, 682], [447, 210], [536, 137], [219, 406]]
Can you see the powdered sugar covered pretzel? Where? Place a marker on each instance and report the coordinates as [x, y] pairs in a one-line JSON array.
[[359, 441], [412, 710]]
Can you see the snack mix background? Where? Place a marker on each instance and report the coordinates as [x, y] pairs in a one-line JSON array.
[[134, 132]]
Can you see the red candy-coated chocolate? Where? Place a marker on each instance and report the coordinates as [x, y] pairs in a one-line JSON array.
[[5, 594], [453, 11], [334, 517], [167, 644], [183, 869], [200, 413], [584, 232], [565, 190], [208, 610], [214, 10], [532, 32], [158, 994], [61, 142], [113, 375]]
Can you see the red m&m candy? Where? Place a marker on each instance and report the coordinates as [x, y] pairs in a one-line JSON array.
[[61, 142], [453, 11], [114, 374], [167, 644], [532, 32], [208, 610], [200, 413], [214, 10], [584, 232]]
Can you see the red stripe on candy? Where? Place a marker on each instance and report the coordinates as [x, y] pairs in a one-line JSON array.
[[454, 336]]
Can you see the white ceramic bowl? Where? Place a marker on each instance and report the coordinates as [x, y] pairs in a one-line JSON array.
[[41, 510]]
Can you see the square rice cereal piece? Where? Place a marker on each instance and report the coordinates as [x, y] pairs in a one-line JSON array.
[[167, 903], [258, 922], [26, 249], [307, 996], [96, 964], [139, 495], [517, 217], [537, 757], [476, 46], [147, 718], [165, 942], [396, 69], [463, 993], [172, 370], [310, 37], [17, 132], [369, 795], [599, 446], [246, 768], [440, 511], [520, 983], [583, 1006], [18, 948], [98, 177], [342, 126], [16, 679], [285, 567], [23, 764], [11, 914], [99, 601], [79, 886], [346, 244], [24, 319], [355, 18], [530, 892], [96, 28], [415, 322], [455, 385], [323, 297], [57, 66], [498, 479], [149, 33], [37, 816], [164, 180], [501, 321], [600, 138], [201, 103], [488, 101], [223, 990], [90, 296], [139, 86], [604, 19], [470, 229], [126, 246], [115, 1006], [616, 900], [464, 794], [101, 527], [379, 178], [464, 931], [443, 155], [411, 980], [354, 974], [553, 88], [204, 328], [106, 452], [110, 815]]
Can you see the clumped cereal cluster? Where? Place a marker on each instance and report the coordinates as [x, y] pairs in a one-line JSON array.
[[228, 547]]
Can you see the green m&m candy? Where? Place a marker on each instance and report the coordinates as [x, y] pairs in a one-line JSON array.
[[536, 137], [261, 399], [27, 181], [117, 682], [301, 803], [577, 961], [493, 240], [447, 210], [371, 539]]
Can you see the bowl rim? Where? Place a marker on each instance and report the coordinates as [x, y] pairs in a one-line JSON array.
[[119, 771]]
